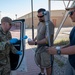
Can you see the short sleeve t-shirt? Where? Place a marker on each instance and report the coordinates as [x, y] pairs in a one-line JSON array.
[[72, 42], [42, 30], [41, 34]]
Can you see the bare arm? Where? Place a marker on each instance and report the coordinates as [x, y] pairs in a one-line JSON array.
[[67, 51], [43, 41]]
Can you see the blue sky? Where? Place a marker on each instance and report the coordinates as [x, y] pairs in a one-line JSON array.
[[22, 7]]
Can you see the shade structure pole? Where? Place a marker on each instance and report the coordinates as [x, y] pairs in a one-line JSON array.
[[49, 7], [64, 19], [47, 20], [32, 19]]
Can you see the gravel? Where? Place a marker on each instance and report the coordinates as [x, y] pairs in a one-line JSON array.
[[59, 65]]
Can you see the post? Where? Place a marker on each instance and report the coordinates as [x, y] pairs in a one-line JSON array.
[[48, 28], [49, 7], [32, 20], [15, 16], [0, 16]]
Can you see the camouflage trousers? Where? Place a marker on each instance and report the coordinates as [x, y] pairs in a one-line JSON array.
[[5, 69]]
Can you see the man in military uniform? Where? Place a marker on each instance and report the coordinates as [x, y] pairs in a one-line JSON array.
[[6, 42], [42, 58]]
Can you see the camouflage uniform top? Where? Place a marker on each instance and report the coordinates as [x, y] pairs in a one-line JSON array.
[[42, 33], [5, 47]]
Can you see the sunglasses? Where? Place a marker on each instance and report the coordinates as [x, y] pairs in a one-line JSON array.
[[10, 24], [71, 12], [40, 16]]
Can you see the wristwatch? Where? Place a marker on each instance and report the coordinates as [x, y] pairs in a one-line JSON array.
[[58, 50], [35, 43]]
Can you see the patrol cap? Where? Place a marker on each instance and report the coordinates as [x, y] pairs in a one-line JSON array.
[[72, 7], [7, 19]]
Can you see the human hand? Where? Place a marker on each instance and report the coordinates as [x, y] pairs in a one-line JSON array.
[[13, 40], [19, 52], [31, 42], [51, 50]]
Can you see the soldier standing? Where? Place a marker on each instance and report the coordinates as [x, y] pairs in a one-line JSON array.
[[6, 42]]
